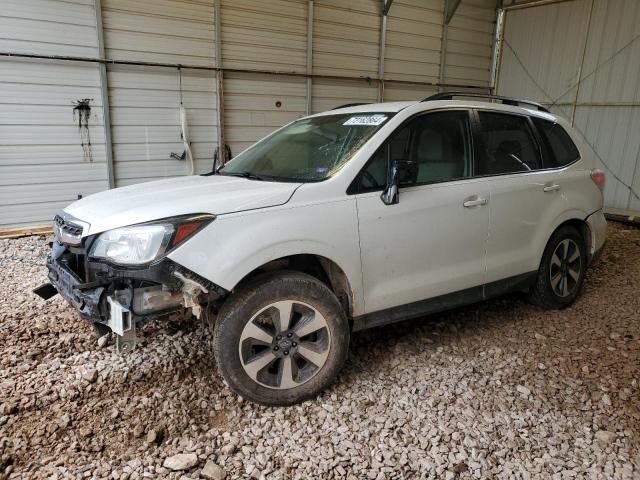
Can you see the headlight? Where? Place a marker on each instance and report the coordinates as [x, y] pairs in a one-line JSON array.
[[140, 244], [133, 245]]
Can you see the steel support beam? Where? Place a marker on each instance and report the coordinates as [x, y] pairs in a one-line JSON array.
[[496, 54], [381, 53], [443, 48], [69, 58], [309, 56], [532, 3], [104, 93], [222, 151]]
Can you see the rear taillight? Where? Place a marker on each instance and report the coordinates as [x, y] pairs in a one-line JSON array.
[[598, 178]]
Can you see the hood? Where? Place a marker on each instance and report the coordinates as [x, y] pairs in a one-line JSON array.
[[143, 202]]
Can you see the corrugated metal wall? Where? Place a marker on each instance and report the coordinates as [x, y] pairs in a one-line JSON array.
[[260, 35], [346, 37], [161, 53], [329, 93], [43, 167], [469, 43], [49, 27], [169, 31], [145, 121], [255, 105], [414, 41], [583, 58]]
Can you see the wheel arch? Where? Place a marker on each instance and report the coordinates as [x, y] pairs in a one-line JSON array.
[[320, 267], [577, 221], [579, 224]]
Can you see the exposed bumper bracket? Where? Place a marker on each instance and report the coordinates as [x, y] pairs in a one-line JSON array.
[[127, 343], [121, 323]]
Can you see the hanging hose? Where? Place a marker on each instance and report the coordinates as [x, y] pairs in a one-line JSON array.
[[185, 137]]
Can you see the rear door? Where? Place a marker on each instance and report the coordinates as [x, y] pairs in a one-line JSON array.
[[578, 189], [526, 197]]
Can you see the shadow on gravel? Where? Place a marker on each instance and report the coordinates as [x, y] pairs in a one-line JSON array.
[[436, 330]]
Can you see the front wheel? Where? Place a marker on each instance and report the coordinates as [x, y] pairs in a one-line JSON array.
[[281, 338], [562, 270]]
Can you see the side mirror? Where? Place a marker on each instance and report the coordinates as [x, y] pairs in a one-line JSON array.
[[401, 170]]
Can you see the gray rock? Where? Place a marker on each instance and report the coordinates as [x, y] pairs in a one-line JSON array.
[[64, 421], [211, 471], [155, 435], [90, 375], [8, 408], [181, 461], [605, 437], [103, 341], [228, 449], [138, 431]]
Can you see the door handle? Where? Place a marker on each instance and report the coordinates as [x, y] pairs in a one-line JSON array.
[[474, 201], [551, 188]]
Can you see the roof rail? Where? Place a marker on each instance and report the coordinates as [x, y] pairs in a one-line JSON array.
[[505, 100], [346, 105]]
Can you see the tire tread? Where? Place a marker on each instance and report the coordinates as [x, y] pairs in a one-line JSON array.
[[541, 293]]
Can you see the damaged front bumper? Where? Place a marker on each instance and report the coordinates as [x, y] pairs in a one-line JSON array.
[[121, 299]]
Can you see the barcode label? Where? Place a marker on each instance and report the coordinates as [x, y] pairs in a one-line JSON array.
[[372, 120]]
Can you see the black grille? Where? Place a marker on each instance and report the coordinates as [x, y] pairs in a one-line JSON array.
[[73, 229]]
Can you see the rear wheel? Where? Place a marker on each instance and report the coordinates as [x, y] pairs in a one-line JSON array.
[[281, 339], [562, 270]]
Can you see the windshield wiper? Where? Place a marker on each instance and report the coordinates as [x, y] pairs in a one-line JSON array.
[[249, 175], [263, 178]]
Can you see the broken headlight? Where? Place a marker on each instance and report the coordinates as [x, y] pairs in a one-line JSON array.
[[141, 244]]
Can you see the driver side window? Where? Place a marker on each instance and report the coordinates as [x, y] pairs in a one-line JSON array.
[[437, 142]]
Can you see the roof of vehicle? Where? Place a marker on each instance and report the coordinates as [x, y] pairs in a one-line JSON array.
[[395, 107]]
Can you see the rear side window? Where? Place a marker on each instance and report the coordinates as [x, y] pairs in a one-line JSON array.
[[558, 142], [508, 144]]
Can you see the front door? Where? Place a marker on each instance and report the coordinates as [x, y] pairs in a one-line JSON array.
[[433, 241]]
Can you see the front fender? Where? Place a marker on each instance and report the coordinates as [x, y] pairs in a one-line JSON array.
[[234, 245]]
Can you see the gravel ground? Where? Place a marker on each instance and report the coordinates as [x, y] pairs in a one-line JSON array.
[[496, 390]]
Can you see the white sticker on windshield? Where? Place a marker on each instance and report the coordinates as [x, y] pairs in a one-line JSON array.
[[372, 120]]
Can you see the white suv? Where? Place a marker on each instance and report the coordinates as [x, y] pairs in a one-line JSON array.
[[337, 222]]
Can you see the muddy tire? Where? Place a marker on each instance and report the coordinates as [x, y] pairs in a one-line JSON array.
[[281, 338], [562, 270]]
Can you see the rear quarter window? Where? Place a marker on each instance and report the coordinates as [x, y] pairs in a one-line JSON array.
[[562, 150]]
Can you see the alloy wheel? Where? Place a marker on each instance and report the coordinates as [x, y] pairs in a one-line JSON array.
[[285, 344], [565, 268]]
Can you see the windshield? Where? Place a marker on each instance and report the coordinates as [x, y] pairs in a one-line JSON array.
[[308, 150]]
